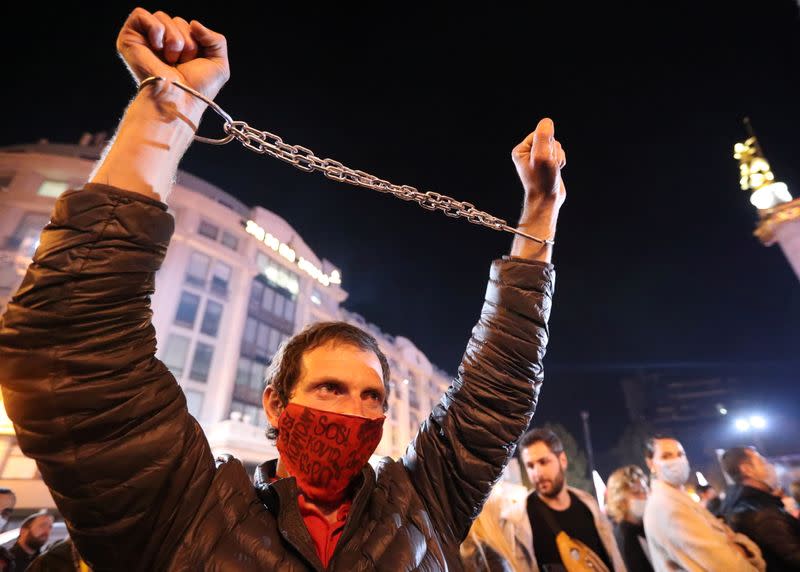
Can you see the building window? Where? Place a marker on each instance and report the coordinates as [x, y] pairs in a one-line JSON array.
[[197, 270], [187, 309], [277, 274], [201, 364], [230, 240], [8, 278], [251, 374], [5, 180], [207, 229], [250, 327], [174, 356], [26, 236], [288, 310], [220, 277], [243, 371], [262, 342], [252, 414], [256, 292], [268, 300], [211, 318], [274, 341], [52, 188], [277, 308], [194, 402]]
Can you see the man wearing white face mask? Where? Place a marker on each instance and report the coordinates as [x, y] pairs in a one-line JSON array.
[[753, 507], [681, 533]]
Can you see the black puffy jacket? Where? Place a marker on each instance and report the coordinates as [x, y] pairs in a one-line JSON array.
[[762, 517], [131, 470]]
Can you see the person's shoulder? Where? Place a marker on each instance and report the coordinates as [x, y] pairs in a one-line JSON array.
[[584, 497], [390, 471]]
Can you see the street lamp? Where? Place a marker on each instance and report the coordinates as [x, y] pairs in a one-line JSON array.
[[753, 424]]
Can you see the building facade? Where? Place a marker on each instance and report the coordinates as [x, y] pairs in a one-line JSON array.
[[236, 282]]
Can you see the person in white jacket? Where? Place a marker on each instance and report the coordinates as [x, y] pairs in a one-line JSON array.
[[681, 533]]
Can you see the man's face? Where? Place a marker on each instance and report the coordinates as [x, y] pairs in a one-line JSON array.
[[756, 467], [39, 532], [336, 377], [545, 469], [665, 450]]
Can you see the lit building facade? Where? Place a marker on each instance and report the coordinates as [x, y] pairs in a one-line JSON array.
[[236, 282]]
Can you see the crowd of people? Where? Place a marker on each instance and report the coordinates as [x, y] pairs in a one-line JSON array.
[[651, 521], [134, 478]]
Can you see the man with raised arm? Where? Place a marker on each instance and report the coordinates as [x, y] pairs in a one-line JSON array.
[[107, 424]]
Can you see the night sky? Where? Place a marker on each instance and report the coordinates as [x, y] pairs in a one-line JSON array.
[[655, 255]]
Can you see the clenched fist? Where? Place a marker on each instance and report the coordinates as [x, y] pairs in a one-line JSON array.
[[156, 44], [539, 160]]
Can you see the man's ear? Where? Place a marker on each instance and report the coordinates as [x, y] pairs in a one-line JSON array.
[[650, 465], [562, 458], [272, 406]]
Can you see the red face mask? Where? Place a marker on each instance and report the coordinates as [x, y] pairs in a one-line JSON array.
[[324, 450]]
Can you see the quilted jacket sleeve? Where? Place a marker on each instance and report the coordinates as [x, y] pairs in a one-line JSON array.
[[104, 419], [463, 446]]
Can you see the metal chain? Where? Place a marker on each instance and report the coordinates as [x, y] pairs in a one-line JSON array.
[[303, 158]]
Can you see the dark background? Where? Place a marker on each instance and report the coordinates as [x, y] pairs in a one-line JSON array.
[[657, 265]]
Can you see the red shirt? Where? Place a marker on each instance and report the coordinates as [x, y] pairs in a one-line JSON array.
[[324, 533]]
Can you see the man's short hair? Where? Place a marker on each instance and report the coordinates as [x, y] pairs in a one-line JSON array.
[[7, 492], [286, 368], [542, 435], [732, 461], [28, 522], [650, 444]]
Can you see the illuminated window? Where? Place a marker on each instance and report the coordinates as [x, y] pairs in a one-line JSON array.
[[174, 356], [253, 414], [277, 274], [194, 401], [220, 277], [211, 318], [201, 363], [197, 270], [187, 309], [52, 188]]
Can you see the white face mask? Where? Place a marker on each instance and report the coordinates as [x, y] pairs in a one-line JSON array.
[[673, 471], [636, 508]]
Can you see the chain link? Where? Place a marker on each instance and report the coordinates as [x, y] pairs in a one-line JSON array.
[[303, 158]]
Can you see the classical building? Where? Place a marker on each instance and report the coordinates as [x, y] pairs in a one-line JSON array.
[[236, 282]]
